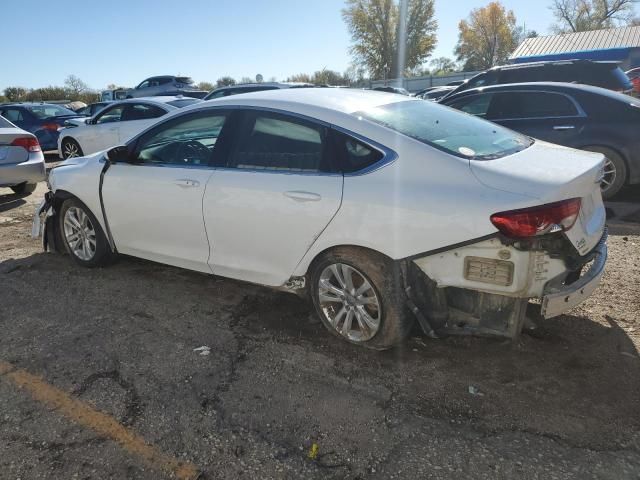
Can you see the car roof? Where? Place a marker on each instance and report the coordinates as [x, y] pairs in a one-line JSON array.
[[548, 86], [159, 100], [282, 85], [516, 66]]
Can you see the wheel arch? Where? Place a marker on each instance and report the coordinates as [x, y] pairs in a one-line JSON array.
[[307, 264]]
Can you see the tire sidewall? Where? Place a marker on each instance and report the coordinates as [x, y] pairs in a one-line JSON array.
[[103, 250]]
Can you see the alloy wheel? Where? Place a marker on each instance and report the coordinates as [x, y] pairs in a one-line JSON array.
[[349, 302], [79, 233], [70, 150], [608, 176]]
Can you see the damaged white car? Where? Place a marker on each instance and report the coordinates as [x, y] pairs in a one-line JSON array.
[[384, 210]]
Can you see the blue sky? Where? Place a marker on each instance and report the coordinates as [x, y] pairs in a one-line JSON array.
[[125, 41]]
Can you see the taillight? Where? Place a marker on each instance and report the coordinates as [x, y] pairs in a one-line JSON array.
[[28, 143], [529, 222], [51, 126]]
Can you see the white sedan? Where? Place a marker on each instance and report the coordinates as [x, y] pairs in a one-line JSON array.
[[115, 124], [384, 209]]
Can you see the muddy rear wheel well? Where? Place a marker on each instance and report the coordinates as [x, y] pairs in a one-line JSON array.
[[355, 250]]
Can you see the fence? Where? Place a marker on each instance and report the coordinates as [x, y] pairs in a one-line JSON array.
[[420, 83]]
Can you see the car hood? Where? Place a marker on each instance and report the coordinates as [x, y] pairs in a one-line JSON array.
[[93, 158], [543, 171]]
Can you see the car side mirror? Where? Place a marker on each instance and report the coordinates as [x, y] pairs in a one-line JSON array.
[[119, 154]]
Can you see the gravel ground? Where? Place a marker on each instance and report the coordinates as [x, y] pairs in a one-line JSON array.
[[563, 403]]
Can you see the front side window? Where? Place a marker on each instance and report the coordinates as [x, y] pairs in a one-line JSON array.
[[144, 84], [188, 140], [447, 129], [473, 104], [515, 105], [110, 115], [270, 141], [141, 111]]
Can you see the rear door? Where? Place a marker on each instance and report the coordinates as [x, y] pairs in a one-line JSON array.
[[136, 117], [275, 192], [549, 116]]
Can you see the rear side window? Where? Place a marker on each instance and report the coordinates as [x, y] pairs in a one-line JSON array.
[[355, 155], [141, 111], [477, 105], [448, 130], [13, 115], [514, 105], [270, 141]]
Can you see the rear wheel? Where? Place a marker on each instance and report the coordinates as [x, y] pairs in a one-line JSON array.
[[24, 188], [71, 148], [358, 297], [615, 171], [82, 235]]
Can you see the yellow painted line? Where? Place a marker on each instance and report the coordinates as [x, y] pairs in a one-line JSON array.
[[97, 421]]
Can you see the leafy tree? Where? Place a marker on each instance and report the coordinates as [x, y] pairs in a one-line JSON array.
[[225, 81], [208, 86], [300, 77], [247, 80], [15, 94], [487, 37], [390, 38], [3, 99], [584, 15], [442, 66]]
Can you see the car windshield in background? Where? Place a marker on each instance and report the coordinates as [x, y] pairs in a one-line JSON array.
[[46, 111], [446, 129], [183, 102], [187, 80]]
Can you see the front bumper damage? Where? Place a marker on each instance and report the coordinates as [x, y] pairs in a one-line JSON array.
[[44, 224], [486, 287]]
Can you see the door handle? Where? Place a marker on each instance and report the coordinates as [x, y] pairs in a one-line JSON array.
[[564, 127], [299, 196], [186, 182]]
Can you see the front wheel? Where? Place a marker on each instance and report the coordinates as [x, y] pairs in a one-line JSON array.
[[71, 148], [358, 296], [82, 235]]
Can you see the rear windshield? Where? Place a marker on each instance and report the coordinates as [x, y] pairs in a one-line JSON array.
[[183, 102], [187, 80], [46, 111], [448, 130]]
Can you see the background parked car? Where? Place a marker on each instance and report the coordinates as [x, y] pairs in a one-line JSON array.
[[42, 119], [577, 116], [600, 74], [399, 90], [93, 108], [21, 159], [166, 85], [254, 87], [437, 93], [634, 76], [115, 124]]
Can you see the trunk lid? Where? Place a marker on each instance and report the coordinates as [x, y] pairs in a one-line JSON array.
[[550, 173], [8, 153]]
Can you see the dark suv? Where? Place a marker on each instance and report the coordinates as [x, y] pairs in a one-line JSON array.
[[599, 74]]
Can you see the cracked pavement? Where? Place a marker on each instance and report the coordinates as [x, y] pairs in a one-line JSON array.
[[562, 403]]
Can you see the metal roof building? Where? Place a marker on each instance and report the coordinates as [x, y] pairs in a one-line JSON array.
[[619, 44]]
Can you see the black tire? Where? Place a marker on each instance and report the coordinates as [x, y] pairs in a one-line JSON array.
[[24, 188], [395, 323], [68, 145], [620, 170], [102, 254]]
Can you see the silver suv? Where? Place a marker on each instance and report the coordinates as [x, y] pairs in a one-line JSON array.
[[166, 85]]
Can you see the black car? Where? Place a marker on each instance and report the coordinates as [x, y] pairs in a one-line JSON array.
[[254, 87], [577, 116], [600, 74]]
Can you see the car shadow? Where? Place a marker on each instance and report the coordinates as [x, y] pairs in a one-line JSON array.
[[9, 201]]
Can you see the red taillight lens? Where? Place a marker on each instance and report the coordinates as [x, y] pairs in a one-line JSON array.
[[28, 143], [529, 222], [51, 126]]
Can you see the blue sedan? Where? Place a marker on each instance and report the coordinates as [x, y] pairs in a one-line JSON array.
[[42, 119]]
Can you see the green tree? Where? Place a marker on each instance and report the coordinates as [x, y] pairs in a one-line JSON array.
[[584, 15], [3, 99], [442, 66], [487, 37], [390, 38], [15, 94], [208, 86], [225, 81], [247, 80], [300, 77]]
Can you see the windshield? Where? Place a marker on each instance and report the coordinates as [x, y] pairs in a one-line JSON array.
[[46, 111], [447, 129]]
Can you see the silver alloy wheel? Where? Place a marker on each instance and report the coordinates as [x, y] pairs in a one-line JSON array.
[[608, 176], [79, 233], [349, 302], [70, 150]]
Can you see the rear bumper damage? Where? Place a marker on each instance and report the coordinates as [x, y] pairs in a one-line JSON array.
[[485, 287]]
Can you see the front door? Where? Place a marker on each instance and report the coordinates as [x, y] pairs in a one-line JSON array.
[[154, 206], [274, 196], [103, 131]]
